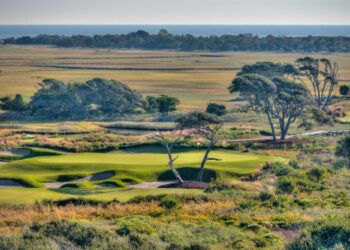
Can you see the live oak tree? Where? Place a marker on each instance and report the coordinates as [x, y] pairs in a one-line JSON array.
[[168, 140], [13, 104], [162, 104], [216, 109], [96, 97], [279, 98], [322, 74], [206, 125]]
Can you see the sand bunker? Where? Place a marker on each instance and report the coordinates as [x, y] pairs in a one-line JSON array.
[[5, 183], [95, 177], [21, 151]]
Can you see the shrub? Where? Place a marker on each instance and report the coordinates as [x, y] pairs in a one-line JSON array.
[[316, 174], [330, 234], [281, 169], [170, 203], [344, 90], [294, 164], [135, 225], [216, 109], [264, 196], [285, 186]]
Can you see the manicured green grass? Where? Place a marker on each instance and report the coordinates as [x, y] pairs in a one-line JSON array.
[[29, 195], [140, 165], [130, 166]]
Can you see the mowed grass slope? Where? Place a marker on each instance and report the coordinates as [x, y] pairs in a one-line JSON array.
[[132, 166], [196, 78], [145, 166]]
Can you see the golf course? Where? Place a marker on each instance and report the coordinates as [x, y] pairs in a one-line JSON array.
[[107, 176]]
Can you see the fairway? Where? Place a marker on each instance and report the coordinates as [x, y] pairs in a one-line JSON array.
[[128, 167]]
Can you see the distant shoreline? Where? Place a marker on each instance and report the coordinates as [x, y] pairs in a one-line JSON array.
[[15, 30]]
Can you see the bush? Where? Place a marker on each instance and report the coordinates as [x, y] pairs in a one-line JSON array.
[[170, 203], [316, 174], [135, 225], [330, 234], [216, 109], [344, 90], [294, 164], [264, 196], [285, 186], [281, 169]]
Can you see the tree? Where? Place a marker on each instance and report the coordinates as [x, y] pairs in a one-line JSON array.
[[96, 97], [268, 69], [13, 104], [208, 126], [343, 149], [152, 104], [167, 104], [216, 109], [323, 76], [344, 90], [169, 140], [279, 99]]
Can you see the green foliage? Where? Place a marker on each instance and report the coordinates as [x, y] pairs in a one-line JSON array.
[[97, 97], [198, 120], [344, 90], [316, 174], [13, 104], [216, 109], [170, 203], [343, 148], [333, 233], [281, 169], [165, 40], [285, 185], [167, 104], [265, 196], [278, 97], [152, 104]]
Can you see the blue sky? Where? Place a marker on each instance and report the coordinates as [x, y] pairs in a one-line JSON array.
[[174, 11]]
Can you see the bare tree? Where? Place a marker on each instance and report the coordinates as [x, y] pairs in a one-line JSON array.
[[208, 126], [169, 140]]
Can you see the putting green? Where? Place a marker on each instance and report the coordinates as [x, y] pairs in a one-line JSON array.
[[129, 166]]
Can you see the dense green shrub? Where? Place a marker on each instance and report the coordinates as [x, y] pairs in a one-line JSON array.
[[285, 185], [281, 169], [316, 174], [344, 90], [216, 109], [330, 234], [169, 203]]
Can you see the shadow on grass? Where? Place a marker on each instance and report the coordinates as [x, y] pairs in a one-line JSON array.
[[188, 174], [155, 149], [78, 191]]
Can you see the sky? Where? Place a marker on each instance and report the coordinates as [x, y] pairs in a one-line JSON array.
[[175, 12]]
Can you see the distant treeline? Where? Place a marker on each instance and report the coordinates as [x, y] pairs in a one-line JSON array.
[[164, 40]]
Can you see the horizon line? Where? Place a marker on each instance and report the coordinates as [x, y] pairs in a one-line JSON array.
[[173, 24]]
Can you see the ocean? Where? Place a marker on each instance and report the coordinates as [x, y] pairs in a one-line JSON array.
[[7, 31]]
